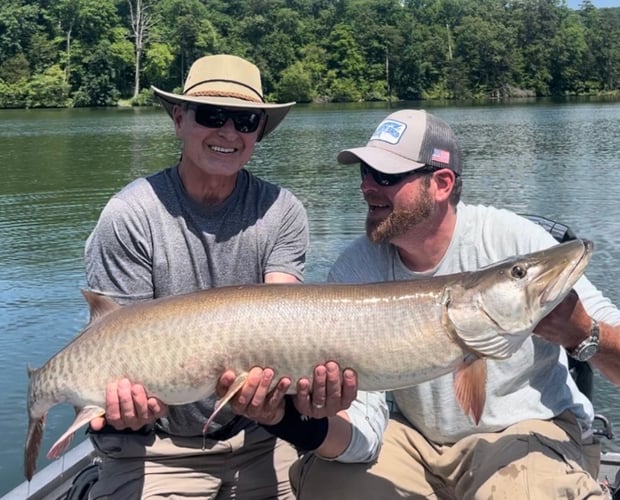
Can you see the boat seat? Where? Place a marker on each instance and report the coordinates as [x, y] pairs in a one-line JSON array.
[[83, 482]]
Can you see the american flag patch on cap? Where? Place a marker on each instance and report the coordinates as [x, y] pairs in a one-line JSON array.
[[441, 156]]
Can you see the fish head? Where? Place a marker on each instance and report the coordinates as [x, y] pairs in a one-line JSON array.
[[498, 306]]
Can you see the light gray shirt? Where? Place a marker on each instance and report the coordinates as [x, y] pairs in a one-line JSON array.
[[152, 240], [533, 384]]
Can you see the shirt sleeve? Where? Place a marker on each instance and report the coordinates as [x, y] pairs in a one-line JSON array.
[[596, 304], [289, 251], [118, 255], [369, 416]]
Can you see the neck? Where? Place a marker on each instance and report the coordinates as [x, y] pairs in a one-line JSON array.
[[423, 247], [202, 187]]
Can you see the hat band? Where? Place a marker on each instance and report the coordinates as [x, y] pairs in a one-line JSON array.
[[215, 93]]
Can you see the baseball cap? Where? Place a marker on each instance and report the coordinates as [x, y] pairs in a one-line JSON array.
[[407, 140]]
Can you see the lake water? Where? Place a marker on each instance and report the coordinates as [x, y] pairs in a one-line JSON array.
[[59, 167]]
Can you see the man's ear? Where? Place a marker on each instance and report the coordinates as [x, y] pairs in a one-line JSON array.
[[444, 180], [178, 114]]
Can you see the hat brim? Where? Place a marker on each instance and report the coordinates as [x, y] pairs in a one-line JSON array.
[[275, 113], [379, 159]]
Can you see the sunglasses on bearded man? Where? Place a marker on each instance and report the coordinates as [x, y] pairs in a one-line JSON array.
[[244, 120], [392, 179]]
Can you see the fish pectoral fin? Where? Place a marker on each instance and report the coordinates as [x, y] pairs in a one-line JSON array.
[[234, 388], [84, 416], [470, 381]]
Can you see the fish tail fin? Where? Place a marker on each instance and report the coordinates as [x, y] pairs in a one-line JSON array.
[[470, 382], [33, 445], [36, 425], [83, 416]]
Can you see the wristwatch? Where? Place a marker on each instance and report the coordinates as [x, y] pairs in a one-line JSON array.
[[588, 347]]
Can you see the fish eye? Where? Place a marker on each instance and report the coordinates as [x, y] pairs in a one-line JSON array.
[[518, 271]]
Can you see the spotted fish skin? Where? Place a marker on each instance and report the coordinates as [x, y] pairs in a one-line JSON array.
[[393, 334]]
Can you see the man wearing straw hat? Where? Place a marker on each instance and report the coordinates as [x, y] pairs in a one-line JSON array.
[[205, 222]]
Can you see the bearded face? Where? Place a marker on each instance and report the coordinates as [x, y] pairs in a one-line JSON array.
[[401, 219]]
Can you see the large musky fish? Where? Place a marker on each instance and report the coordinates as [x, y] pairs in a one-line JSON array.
[[393, 334]]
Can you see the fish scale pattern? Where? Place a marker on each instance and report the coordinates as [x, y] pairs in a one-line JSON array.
[[393, 334]]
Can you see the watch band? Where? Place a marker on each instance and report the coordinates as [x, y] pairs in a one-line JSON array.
[[589, 346]]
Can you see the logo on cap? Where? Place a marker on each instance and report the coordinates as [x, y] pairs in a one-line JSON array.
[[441, 156], [389, 131]]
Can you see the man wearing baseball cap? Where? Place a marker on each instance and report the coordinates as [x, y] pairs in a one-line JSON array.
[[534, 438]]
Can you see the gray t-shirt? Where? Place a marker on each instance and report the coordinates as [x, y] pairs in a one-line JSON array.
[[534, 382], [152, 240]]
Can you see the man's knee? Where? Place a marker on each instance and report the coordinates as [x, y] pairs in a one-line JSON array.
[[312, 477]]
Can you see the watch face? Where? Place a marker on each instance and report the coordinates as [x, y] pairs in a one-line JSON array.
[[587, 352]]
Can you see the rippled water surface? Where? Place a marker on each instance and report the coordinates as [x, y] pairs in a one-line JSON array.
[[58, 168]]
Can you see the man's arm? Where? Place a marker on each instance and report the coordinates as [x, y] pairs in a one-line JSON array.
[[279, 277], [569, 324], [607, 360]]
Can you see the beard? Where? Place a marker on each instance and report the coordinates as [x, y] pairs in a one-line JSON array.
[[400, 220]]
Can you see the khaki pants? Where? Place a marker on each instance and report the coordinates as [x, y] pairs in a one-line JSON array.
[[251, 465], [531, 460]]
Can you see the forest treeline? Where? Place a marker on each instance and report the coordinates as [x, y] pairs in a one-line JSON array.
[[56, 53]]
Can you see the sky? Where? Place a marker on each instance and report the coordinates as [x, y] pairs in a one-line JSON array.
[[574, 4]]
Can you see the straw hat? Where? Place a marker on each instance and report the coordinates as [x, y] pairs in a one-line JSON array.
[[227, 81]]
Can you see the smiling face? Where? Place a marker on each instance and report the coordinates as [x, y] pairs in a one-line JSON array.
[[394, 210], [219, 151]]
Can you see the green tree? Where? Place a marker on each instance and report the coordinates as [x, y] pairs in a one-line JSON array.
[[379, 41], [568, 49], [15, 69], [295, 84], [482, 57], [98, 87], [48, 89], [345, 65], [601, 67], [19, 22], [191, 35], [322, 50], [313, 59], [122, 57], [88, 21], [536, 25], [158, 60]]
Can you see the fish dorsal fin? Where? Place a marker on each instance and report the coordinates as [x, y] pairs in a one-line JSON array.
[[99, 305]]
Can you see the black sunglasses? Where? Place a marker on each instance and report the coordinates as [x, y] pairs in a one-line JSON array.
[[393, 179], [245, 121]]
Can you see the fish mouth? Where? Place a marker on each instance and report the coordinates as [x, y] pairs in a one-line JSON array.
[[564, 278]]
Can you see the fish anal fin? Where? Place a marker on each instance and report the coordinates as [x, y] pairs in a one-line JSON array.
[[84, 416], [234, 388], [470, 382], [99, 305]]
